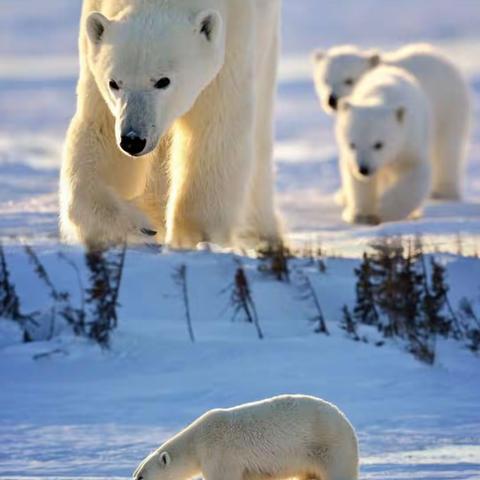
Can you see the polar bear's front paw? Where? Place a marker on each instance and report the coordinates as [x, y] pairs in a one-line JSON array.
[[357, 218], [114, 224], [135, 222]]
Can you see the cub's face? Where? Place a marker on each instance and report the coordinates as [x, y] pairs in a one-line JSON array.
[[370, 137], [150, 71], [338, 71], [160, 466]]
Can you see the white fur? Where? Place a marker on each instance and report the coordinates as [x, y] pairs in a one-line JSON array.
[[384, 128], [339, 70], [286, 436], [205, 173]]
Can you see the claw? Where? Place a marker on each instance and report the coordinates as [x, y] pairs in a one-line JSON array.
[[148, 232]]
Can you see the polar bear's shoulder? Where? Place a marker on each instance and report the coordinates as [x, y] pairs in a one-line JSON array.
[[423, 53]]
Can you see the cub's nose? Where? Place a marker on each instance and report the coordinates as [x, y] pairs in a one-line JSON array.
[[132, 144], [333, 102], [364, 170]]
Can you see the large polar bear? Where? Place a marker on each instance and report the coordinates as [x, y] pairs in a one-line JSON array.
[[338, 70], [174, 125], [384, 134], [286, 436]]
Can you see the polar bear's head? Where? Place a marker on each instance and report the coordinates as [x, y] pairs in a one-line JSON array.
[[370, 136], [151, 67], [337, 71], [163, 465]]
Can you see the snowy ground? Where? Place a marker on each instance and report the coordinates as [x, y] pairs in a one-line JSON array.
[[72, 411], [82, 413]]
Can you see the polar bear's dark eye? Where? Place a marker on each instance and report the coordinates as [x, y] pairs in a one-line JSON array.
[[163, 83], [114, 85], [378, 146], [349, 82], [353, 146]]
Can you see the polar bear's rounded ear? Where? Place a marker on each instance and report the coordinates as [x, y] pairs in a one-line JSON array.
[[374, 58], [209, 23], [97, 24], [164, 459], [400, 113], [318, 56]]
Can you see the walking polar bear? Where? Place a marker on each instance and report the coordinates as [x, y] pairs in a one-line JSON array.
[[173, 131], [384, 134], [286, 436], [338, 71]]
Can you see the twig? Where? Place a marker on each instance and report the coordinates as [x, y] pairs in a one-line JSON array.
[[180, 277]]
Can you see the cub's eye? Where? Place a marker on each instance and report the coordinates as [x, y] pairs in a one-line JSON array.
[[378, 146], [349, 82], [163, 83], [113, 85], [353, 146]]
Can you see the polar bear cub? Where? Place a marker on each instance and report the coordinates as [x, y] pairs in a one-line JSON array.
[[339, 70], [282, 437], [384, 134]]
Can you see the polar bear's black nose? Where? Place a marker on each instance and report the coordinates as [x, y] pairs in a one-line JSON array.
[[132, 144], [364, 170], [333, 102]]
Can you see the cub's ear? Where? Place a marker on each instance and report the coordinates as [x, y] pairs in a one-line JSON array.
[[318, 56], [209, 23], [164, 459], [400, 113], [374, 58], [97, 25]]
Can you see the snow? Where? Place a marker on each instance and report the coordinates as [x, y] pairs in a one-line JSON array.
[[69, 410]]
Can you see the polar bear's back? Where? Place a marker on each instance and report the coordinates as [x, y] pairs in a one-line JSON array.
[[284, 412], [422, 60], [440, 78]]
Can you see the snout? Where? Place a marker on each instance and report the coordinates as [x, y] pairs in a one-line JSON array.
[[333, 101], [133, 144], [364, 172]]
